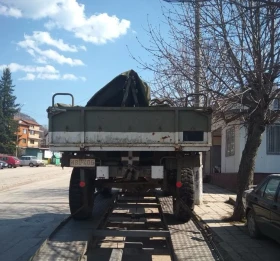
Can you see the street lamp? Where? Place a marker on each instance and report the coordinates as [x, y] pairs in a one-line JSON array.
[[17, 142], [197, 45]]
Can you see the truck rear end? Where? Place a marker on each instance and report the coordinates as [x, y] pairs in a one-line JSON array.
[[131, 148]]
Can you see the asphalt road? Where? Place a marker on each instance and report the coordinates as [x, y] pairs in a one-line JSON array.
[[33, 201]]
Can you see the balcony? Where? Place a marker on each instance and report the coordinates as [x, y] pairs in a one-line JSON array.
[[34, 137], [36, 130], [35, 145]]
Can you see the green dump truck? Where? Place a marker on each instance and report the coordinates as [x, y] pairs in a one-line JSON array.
[[135, 148]]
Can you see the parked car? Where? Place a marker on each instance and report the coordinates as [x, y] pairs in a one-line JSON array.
[[3, 164], [30, 161], [12, 161], [262, 208]]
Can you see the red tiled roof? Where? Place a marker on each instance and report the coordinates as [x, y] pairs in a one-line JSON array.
[[28, 122], [32, 122]]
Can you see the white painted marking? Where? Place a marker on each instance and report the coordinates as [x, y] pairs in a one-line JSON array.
[[130, 159]]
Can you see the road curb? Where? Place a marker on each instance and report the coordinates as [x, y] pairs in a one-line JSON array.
[[42, 245], [216, 239], [222, 245]]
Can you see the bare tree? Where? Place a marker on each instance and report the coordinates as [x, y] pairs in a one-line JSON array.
[[263, 3], [240, 66]]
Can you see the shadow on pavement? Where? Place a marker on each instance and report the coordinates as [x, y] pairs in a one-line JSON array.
[[19, 238]]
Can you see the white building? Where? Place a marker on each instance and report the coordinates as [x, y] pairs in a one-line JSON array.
[[233, 140], [229, 142]]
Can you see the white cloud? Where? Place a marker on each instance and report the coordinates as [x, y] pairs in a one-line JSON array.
[[47, 72], [15, 67], [99, 29], [71, 77], [50, 25], [70, 15], [48, 76], [44, 38], [31, 44], [10, 11], [61, 59], [28, 77], [82, 47]]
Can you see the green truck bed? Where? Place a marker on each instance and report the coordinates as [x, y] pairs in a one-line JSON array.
[[129, 129]]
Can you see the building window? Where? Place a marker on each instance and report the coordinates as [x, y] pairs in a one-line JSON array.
[[31, 132], [24, 131], [276, 104], [230, 142], [273, 139], [32, 142], [23, 140]]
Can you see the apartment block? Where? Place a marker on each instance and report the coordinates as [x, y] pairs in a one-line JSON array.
[[28, 135]]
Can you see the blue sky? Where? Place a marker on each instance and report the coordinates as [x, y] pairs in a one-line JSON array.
[[74, 46]]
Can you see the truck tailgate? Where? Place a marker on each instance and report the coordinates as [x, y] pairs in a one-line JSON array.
[[103, 128]]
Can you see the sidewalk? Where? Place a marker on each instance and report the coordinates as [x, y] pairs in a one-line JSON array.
[[232, 238]]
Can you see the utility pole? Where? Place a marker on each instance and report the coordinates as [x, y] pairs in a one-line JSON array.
[[17, 145], [197, 53], [198, 176], [197, 48]]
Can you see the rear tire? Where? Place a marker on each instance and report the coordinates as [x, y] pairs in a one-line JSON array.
[[186, 194], [81, 199], [31, 165]]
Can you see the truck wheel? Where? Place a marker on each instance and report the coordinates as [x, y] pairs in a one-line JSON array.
[[81, 198], [186, 195]]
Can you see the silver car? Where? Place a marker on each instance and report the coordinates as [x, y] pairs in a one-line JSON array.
[[30, 161], [3, 164]]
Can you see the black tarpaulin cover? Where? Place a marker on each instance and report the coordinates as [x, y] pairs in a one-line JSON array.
[[125, 90]]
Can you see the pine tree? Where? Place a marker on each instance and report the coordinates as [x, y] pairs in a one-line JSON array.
[[8, 109]]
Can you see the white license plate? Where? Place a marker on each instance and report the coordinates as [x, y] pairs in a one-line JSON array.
[[82, 162]]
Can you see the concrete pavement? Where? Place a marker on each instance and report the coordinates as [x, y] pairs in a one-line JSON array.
[[232, 238], [35, 201], [10, 178], [30, 212]]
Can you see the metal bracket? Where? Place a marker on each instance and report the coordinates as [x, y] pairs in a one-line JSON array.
[[62, 94]]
